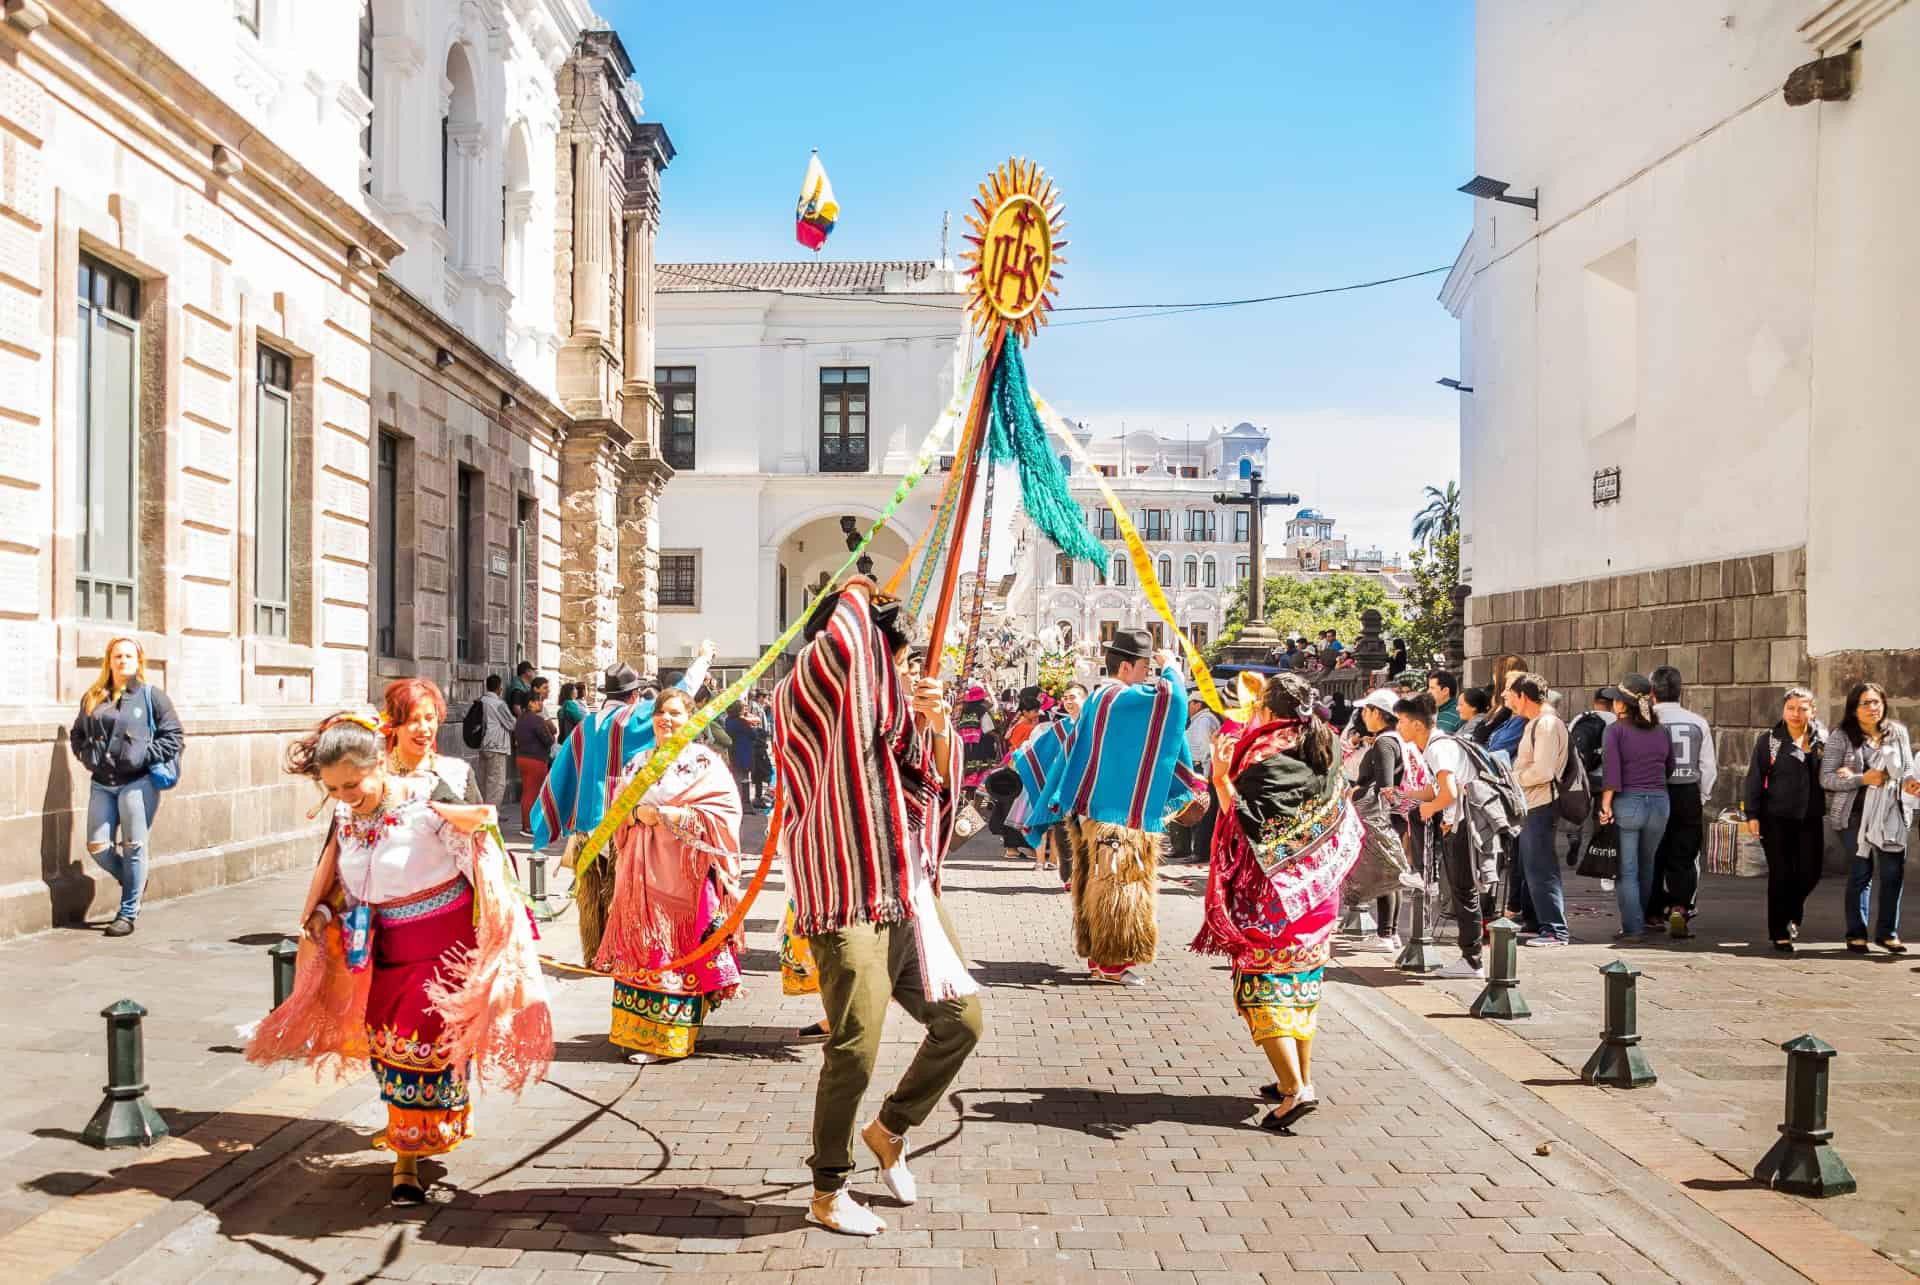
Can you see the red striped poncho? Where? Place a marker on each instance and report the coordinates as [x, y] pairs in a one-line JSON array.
[[864, 794]]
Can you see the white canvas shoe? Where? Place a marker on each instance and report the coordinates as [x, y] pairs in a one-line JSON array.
[[1461, 968], [838, 1211]]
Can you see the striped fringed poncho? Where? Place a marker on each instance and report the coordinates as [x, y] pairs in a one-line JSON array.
[[864, 795]]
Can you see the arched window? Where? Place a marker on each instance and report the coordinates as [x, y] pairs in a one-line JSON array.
[[1209, 573], [1191, 568], [1099, 573], [1164, 570], [460, 140], [516, 206], [1065, 629], [1066, 463], [1120, 568]]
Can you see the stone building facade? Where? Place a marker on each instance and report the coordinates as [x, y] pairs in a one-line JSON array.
[[1686, 431], [184, 386], [289, 394]]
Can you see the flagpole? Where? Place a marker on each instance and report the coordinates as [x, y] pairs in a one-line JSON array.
[[970, 463]]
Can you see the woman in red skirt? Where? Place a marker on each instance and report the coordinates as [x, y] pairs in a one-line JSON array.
[[417, 954]]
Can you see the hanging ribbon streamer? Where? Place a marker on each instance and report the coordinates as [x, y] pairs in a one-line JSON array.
[[1017, 435], [1136, 553], [936, 554], [941, 517], [971, 651], [668, 750]]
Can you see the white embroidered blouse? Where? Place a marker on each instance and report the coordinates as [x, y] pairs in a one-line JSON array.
[[398, 853]]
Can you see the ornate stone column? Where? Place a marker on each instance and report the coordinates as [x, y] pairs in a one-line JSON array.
[[592, 461], [639, 552], [590, 248]]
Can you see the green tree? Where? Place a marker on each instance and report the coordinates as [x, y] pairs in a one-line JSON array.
[[1441, 516], [1435, 568], [1307, 606]]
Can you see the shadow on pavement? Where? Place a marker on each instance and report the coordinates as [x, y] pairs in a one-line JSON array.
[[1024, 974], [1102, 1114]]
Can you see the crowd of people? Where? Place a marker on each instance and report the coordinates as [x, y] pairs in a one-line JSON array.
[[418, 955]]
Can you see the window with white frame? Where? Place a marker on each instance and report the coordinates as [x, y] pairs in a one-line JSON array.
[[109, 474], [272, 492]]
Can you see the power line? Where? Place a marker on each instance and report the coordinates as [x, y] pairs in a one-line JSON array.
[[1128, 311]]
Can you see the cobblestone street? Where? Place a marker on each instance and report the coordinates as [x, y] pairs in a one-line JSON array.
[[1098, 1133]]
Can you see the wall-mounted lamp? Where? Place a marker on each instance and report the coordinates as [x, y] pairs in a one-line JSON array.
[[357, 260], [226, 161], [1455, 385], [442, 358], [864, 566], [508, 401], [1492, 189]]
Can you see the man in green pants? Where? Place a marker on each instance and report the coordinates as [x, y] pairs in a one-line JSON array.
[[869, 771]]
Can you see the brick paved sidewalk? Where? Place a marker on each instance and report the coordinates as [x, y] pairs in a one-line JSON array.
[[1098, 1133], [1714, 1010]]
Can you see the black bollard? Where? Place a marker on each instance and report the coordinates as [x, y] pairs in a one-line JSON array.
[[283, 953], [125, 1117], [1359, 920], [1500, 998], [537, 875], [1420, 955], [1803, 1161], [1619, 1061]]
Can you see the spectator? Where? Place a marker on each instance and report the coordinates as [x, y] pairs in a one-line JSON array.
[[1508, 725], [1472, 712], [1873, 789], [572, 712], [1195, 842], [1397, 663], [1443, 803], [532, 751], [1291, 656], [1676, 880], [1584, 736], [1635, 755], [1444, 687], [761, 774], [1537, 766], [521, 688], [1785, 809], [496, 744], [126, 727], [1381, 770], [743, 723], [1334, 644]]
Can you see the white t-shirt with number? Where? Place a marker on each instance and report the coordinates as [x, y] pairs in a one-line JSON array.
[[1443, 754]]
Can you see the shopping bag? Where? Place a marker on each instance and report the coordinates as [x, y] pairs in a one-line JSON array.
[[1601, 860]]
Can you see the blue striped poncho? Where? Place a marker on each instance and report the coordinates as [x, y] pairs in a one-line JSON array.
[[1124, 761]]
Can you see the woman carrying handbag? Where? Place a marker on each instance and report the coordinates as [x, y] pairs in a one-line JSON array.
[[130, 740]]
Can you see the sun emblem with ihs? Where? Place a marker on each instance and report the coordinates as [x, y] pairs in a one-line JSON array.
[[1015, 272]]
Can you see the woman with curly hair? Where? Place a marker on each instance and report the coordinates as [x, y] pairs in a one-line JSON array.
[[411, 713], [1273, 887], [416, 953]]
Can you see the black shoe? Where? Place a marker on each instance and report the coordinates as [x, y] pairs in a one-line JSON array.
[[1892, 945], [1858, 945], [1784, 947], [407, 1193], [120, 927], [1282, 1122], [818, 1031], [1272, 1093]]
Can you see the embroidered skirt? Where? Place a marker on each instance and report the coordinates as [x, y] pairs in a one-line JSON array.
[[426, 1097], [798, 975], [661, 1012], [1277, 988]]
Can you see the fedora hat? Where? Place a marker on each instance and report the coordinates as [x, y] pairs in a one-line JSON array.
[[619, 679]]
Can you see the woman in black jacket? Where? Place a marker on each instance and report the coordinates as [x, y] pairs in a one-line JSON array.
[[1785, 808], [126, 726]]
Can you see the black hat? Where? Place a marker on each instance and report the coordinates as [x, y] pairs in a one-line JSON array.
[[1631, 688], [1131, 644], [619, 679]]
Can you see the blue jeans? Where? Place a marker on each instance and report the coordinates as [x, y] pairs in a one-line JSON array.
[[1888, 869], [1541, 869], [1642, 819], [129, 810]]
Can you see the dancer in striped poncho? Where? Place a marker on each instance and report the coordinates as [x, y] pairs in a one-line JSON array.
[[871, 775]]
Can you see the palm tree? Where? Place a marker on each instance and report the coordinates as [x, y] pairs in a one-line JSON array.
[[1440, 517]]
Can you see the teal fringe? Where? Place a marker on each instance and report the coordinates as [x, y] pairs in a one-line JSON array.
[[1018, 435]]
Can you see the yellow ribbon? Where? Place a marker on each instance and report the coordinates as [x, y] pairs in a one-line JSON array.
[[1137, 554]]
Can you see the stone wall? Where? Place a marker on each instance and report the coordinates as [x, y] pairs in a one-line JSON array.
[[1736, 629]]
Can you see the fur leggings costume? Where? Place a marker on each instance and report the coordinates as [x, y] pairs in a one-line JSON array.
[[1115, 884]]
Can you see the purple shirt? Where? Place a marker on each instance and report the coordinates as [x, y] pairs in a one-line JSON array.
[[1634, 759]]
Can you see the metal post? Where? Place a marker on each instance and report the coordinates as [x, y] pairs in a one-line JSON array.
[[1420, 956], [1501, 998], [537, 875], [1619, 1061], [283, 953], [125, 1117], [1803, 1161], [1359, 920]]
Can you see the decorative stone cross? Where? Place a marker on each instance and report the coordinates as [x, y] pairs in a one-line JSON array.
[[1256, 543]]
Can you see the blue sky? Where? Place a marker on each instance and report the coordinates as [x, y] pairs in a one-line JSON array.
[[1205, 151]]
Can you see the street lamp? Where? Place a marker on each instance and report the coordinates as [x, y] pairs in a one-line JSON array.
[[1455, 385], [1492, 189]]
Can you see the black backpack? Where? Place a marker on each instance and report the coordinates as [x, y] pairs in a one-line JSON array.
[[1572, 800], [473, 725], [1585, 737]]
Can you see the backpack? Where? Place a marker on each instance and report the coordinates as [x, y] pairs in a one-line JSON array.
[[1571, 798], [473, 725], [1584, 737], [1494, 806]]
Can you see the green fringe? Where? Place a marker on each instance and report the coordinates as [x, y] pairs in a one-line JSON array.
[[1018, 435]]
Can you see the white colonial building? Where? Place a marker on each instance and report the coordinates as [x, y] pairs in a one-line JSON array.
[[1200, 548], [795, 395], [1690, 436]]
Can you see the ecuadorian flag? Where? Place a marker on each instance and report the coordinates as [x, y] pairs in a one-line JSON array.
[[817, 212]]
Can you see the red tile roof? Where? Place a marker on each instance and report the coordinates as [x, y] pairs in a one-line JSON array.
[[837, 277]]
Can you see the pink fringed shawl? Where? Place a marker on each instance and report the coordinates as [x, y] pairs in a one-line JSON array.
[[492, 997], [661, 868]]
